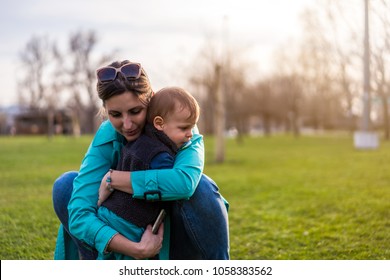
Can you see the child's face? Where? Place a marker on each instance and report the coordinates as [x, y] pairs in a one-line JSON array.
[[178, 128]]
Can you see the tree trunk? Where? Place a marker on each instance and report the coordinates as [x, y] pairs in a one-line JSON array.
[[385, 118], [219, 117]]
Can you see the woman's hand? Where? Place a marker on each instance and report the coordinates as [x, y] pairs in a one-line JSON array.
[[104, 192], [150, 244]]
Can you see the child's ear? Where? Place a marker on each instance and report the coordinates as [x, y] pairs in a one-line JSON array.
[[158, 123]]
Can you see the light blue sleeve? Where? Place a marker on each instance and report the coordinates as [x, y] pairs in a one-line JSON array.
[[179, 182], [84, 223]]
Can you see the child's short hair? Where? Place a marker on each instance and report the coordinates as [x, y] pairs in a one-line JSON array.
[[165, 101]]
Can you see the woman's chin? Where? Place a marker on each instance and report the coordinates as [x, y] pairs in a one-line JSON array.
[[131, 137]]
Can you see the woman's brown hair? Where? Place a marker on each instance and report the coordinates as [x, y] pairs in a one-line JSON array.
[[140, 87]]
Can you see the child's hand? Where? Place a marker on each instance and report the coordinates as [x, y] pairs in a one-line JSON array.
[[104, 192]]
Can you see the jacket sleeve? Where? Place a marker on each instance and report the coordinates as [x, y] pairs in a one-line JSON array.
[[179, 182], [84, 223]]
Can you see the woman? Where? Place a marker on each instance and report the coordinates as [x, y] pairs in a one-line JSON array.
[[125, 91]]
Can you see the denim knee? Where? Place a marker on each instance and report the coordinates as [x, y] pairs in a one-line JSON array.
[[62, 191]]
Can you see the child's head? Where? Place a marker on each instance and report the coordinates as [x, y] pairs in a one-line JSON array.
[[175, 112]]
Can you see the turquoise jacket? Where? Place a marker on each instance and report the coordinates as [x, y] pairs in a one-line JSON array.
[[177, 183]]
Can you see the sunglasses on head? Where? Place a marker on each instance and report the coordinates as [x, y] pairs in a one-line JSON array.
[[109, 73]]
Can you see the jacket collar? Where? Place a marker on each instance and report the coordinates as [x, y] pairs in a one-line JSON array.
[[105, 134]]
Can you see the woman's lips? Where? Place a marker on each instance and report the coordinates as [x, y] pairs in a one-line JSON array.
[[131, 133]]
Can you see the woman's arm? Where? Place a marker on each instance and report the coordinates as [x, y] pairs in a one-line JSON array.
[[83, 221], [179, 182]]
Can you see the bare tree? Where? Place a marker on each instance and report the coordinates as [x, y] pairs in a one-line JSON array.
[[35, 59], [346, 57], [341, 18], [219, 115], [223, 91], [38, 88], [264, 106], [318, 74], [286, 89], [48, 71], [204, 85], [209, 84], [82, 80], [381, 59], [239, 94]]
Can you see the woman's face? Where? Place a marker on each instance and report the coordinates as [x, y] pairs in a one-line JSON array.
[[127, 114]]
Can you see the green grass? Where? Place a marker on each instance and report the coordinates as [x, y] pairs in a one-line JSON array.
[[305, 198]]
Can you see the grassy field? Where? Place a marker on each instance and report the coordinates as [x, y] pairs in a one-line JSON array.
[[291, 199]]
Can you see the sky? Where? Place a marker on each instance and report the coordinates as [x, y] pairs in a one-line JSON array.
[[164, 35]]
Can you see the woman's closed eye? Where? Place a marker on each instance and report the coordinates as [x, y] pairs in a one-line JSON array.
[[135, 111], [115, 114]]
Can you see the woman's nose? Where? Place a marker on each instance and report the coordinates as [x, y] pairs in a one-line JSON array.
[[127, 122]]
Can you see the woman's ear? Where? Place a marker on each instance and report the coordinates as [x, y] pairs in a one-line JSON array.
[[158, 123]]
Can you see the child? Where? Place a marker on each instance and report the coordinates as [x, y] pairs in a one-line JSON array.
[[172, 115]]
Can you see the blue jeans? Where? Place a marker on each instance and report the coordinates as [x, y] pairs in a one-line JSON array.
[[199, 226], [62, 191]]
